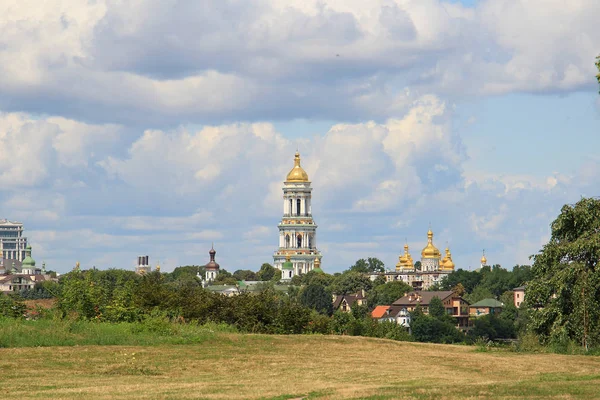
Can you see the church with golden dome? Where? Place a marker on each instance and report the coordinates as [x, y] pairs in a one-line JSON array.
[[432, 270], [297, 229]]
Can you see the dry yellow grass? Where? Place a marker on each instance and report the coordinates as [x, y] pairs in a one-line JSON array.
[[284, 367]]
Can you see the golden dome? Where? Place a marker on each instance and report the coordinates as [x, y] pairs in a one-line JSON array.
[[405, 261], [447, 263], [483, 259], [430, 251], [297, 174]]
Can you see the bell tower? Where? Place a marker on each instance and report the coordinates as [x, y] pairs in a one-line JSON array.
[[297, 229]]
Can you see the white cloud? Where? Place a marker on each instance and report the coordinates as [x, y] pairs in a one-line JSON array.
[[148, 61], [32, 148]]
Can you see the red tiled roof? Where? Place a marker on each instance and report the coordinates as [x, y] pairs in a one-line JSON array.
[[379, 311]]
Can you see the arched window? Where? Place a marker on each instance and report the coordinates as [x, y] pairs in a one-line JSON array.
[[287, 240], [310, 241], [299, 241], [298, 206]]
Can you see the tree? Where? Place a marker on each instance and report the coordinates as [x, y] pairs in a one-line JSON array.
[[436, 308], [387, 293], [371, 265], [469, 279], [318, 298], [459, 289], [478, 294], [266, 272], [351, 282], [244, 275], [564, 291], [225, 278]]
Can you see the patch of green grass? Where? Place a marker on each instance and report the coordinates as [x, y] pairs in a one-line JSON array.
[[46, 333]]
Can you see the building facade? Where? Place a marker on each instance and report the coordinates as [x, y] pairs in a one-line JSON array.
[[24, 277], [454, 306], [519, 295], [12, 242], [433, 268], [297, 229]]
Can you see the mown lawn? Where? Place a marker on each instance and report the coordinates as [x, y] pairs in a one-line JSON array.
[[236, 366]]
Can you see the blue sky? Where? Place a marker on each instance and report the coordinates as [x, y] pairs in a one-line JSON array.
[[159, 127]]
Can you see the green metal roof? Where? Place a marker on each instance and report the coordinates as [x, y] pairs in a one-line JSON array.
[[287, 265], [492, 303]]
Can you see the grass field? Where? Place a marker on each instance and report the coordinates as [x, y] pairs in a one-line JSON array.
[[229, 366]]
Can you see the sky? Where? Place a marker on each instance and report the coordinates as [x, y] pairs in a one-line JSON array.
[[159, 127]]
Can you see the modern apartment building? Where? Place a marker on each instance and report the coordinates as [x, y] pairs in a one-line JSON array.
[[12, 241]]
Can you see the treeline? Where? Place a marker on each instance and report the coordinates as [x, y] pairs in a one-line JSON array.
[[114, 296]]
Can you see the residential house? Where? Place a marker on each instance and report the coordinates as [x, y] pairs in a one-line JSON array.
[[455, 306], [345, 302], [485, 307], [519, 295]]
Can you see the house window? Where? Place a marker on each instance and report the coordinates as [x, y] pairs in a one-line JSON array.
[[298, 207], [299, 241], [344, 307]]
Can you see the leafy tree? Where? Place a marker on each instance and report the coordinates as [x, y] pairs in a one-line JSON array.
[[368, 266], [11, 308], [245, 275], [276, 276], [296, 280], [426, 328], [478, 294], [186, 272], [468, 279], [350, 282], [565, 289], [376, 265], [459, 289], [225, 278], [492, 327], [318, 278], [509, 311], [387, 293], [318, 298], [418, 265], [437, 309], [266, 272]]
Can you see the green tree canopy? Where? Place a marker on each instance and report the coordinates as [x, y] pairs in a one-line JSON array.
[[369, 266], [436, 308], [565, 289], [387, 293], [351, 282], [266, 272], [315, 296], [245, 275], [469, 279]]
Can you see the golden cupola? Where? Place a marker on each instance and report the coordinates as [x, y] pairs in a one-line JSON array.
[[447, 262], [405, 261], [430, 251], [297, 174], [483, 259]]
